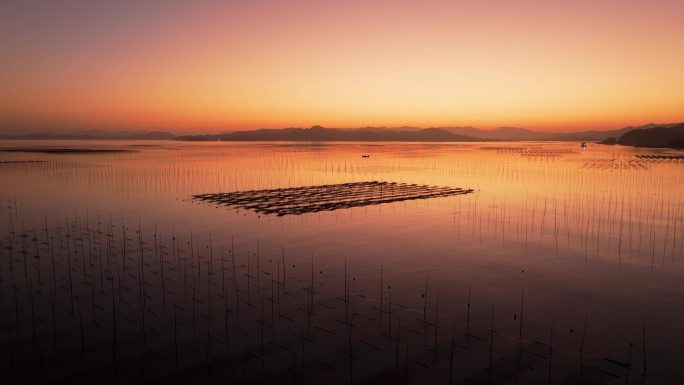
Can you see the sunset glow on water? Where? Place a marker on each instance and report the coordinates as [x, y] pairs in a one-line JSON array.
[[594, 233]]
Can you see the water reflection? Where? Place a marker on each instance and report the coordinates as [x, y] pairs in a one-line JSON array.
[[595, 232]]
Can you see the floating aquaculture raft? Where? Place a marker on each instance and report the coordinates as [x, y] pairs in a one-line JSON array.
[[309, 199]]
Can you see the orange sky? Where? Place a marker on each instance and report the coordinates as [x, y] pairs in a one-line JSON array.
[[182, 66]]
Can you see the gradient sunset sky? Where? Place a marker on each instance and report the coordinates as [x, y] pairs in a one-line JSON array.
[[208, 66]]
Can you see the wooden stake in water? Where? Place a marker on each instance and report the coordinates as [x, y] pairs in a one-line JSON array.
[[436, 325], [258, 256], [389, 312], [643, 336], [114, 340], [520, 334], [491, 346], [468, 319], [80, 324], [451, 355], [351, 352], [381, 307], [425, 297], [550, 352], [584, 334], [284, 276], [175, 337]]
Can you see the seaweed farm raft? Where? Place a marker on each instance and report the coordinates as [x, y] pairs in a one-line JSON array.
[[309, 199]]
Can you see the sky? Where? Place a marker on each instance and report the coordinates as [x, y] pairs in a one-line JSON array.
[[211, 66]]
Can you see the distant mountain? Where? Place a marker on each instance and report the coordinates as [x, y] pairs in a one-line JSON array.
[[521, 134], [322, 134], [667, 136], [371, 134], [501, 133], [588, 136], [409, 134], [93, 135], [595, 136]]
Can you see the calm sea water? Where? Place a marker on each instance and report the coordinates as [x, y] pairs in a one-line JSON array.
[[578, 249]]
